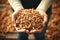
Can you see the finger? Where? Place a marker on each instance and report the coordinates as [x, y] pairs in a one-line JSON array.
[[45, 19], [43, 25], [14, 15], [33, 31], [21, 30], [27, 31], [36, 31], [40, 30], [13, 20]]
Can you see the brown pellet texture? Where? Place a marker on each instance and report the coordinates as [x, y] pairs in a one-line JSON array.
[[29, 19], [6, 24], [53, 31], [4, 2]]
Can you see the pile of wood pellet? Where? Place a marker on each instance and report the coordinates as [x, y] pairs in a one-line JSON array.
[[29, 19], [53, 30], [4, 2], [55, 9], [6, 24]]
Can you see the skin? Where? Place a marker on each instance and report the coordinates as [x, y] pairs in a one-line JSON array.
[[44, 22], [44, 5], [32, 31]]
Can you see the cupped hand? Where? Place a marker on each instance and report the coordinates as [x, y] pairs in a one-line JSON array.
[[43, 24], [14, 16], [44, 15]]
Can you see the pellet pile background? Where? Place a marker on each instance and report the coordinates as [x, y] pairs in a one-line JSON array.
[[6, 24], [5, 18], [53, 30], [29, 19], [4, 2]]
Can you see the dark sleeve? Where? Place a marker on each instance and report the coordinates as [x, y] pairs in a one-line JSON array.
[[49, 12]]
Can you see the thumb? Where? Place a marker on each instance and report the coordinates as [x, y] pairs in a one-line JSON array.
[[14, 15], [45, 19]]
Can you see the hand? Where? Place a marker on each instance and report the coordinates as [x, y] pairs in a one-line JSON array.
[[22, 30], [44, 22], [14, 15]]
